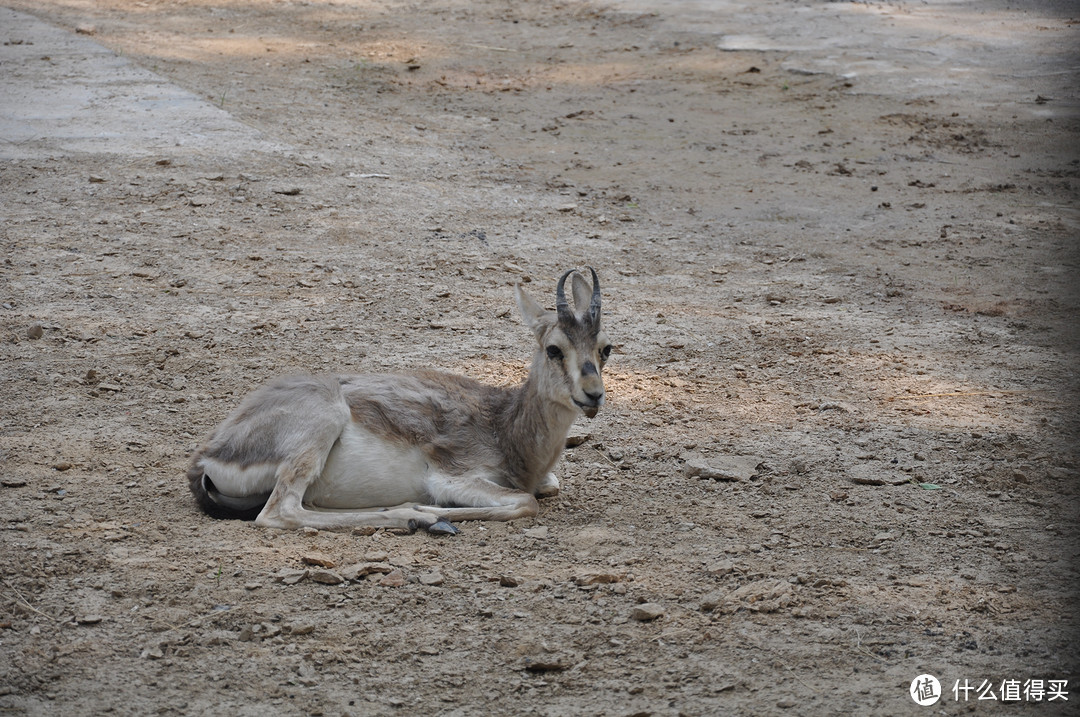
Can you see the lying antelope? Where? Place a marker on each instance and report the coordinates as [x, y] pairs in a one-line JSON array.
[[413, 450]]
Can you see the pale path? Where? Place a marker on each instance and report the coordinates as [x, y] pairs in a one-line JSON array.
[[1004, 57], [63, 93]]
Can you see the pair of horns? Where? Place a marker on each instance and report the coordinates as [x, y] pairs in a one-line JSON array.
[[562, 307]]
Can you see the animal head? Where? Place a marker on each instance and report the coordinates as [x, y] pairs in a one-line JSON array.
[[572, 348]]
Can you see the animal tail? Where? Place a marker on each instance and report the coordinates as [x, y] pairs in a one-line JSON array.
[[218, 505]]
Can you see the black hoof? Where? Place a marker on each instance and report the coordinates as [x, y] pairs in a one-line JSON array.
[[442, 527]]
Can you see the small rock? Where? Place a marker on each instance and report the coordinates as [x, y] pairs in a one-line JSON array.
[[432, 578], [89, 619], [721, 568], [597, 578], [733, 468], [361, 570], [508, 581], [574, 440], [326, 577], [62, 466], [546, 663], [647, 611], [871, 475], [290, 576], [319, 559], [12, 482], [393, 579], [86, 29], [152, 653], [540, 533], [288, 191], [712, 600], [300, 628], [759, 596], [36, 331], [217, 637]]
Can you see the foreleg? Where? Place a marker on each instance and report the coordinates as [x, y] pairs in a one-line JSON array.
[[473, 496]]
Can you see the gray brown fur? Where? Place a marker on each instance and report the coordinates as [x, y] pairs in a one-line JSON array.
[[480, 452]]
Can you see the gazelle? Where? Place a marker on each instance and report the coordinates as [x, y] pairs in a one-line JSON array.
[[413, 450]]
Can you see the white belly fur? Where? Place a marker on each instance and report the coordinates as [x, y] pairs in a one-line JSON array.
[[365, 471]]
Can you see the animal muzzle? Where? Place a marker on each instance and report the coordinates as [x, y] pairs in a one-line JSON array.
[[591, 405]]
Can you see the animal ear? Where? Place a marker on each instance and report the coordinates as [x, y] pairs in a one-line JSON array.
[[531, 311], [582, 295]]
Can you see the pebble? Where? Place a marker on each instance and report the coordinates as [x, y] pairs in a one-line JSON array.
[[647, 611], [393, 579], [732, 468], [360, 570], [290, 576], [326, 577], [36, 331], [432, 578], [152, 653], [597, 578], [546, 663], [574, 440], [539, 533], [300, 628], [870, 475], [89, 619], [320, 559], [721, 568]]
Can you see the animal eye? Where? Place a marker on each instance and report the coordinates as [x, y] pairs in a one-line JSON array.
[[554, 352], [605, 352]]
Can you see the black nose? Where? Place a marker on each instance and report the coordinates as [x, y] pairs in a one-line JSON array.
[[594, 397]]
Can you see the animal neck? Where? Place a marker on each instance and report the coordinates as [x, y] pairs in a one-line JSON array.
[[533, 431]]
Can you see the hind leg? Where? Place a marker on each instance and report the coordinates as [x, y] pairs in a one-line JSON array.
[[285, 508]]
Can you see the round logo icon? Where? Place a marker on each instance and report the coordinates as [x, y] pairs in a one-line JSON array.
[[925, 690]]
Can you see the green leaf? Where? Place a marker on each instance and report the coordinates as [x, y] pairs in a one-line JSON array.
[[930, 486]]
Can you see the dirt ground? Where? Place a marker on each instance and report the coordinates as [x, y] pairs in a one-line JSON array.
[[838, 250]]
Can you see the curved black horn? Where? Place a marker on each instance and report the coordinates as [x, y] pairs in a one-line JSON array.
[[594, 305], [561, 307]]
